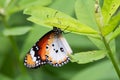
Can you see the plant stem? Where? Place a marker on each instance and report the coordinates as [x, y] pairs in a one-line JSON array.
[[99, 20], [111, 56]]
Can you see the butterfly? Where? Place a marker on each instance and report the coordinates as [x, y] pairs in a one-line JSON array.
[[51, 49]]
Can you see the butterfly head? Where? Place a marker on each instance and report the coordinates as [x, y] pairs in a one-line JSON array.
[[57, 31]]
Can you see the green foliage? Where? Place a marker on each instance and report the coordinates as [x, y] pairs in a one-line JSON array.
[[3, 77], [109, 8], [16, 31], [103, 69], [93, 26], [51, 17], [86, 57], [115, 34], [86, 14], [23, 77], [112, 24]]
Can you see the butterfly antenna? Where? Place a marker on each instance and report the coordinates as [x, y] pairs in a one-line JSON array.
[[66, 29]]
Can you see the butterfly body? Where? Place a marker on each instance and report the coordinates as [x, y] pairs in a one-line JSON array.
[[52, 48]]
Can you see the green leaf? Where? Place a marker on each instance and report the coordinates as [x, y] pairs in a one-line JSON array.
[[98, 14], [114, 21], [50, 17], [115, 34], [101, 71], [71, 25], [86, 57], [21, 4], [100, 45], [109, 8], [3, 77], [97, 42], [68, 9], [16, 31], [85, 12]]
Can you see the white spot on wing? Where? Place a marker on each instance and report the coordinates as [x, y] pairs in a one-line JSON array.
[[34, 59], [32, 53], [36, 47]]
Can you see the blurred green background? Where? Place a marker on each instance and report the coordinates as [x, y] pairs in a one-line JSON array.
[[11, 64]]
